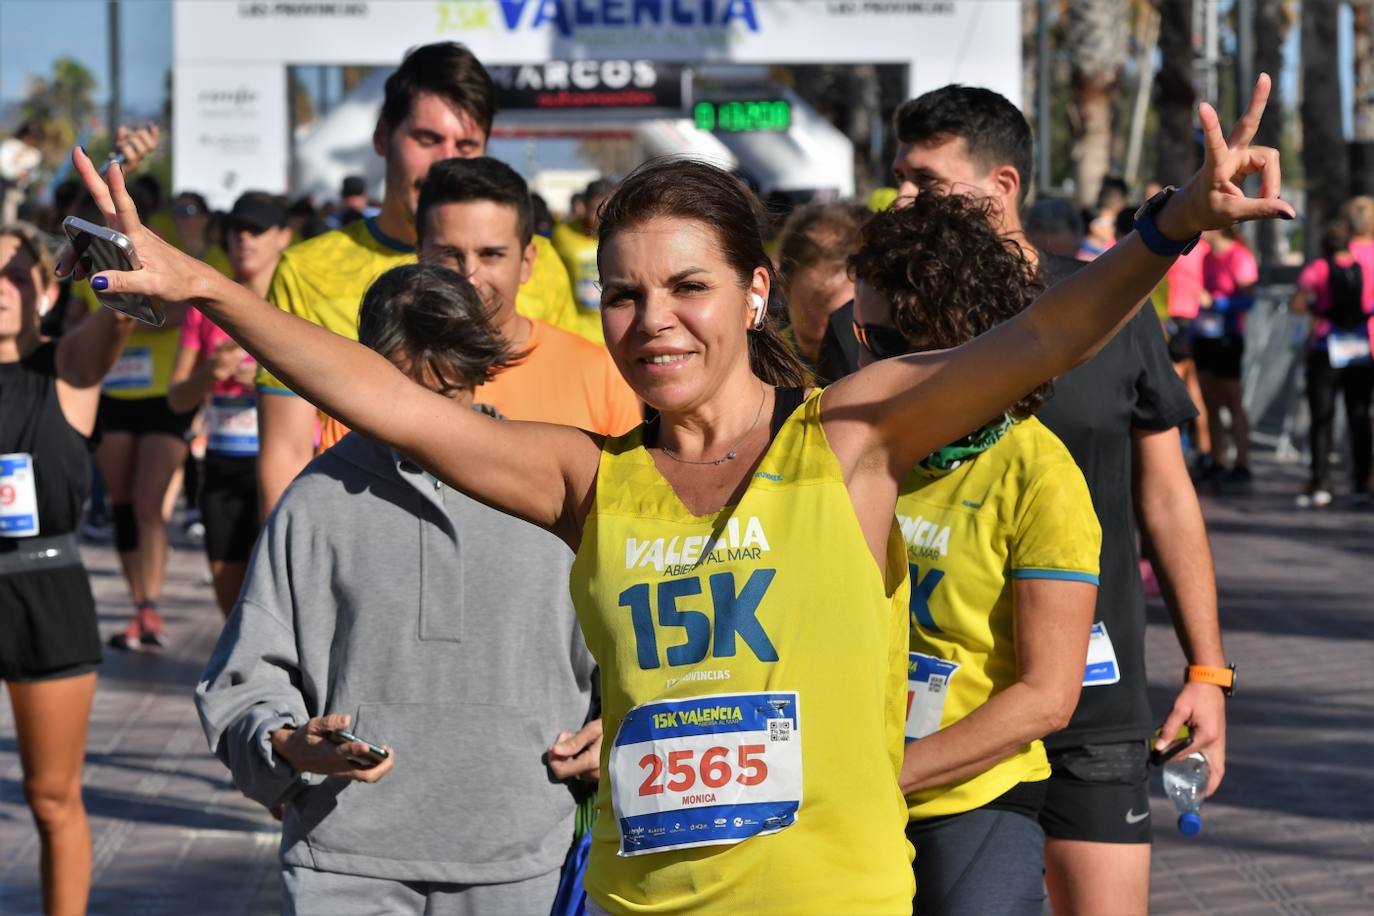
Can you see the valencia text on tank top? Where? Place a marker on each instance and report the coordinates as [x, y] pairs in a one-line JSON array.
[[753, 667]]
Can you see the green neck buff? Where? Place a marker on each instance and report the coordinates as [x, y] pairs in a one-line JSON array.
[[969, 447]]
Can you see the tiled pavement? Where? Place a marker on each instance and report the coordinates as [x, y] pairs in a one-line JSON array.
[[1292, 831]]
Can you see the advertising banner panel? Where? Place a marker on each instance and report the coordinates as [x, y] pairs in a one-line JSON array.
[[231, 130]]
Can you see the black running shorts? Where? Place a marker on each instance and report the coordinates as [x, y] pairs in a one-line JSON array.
[[142, 417], [1220, 356], [1099, 793], [1180, 331], [229, 506]]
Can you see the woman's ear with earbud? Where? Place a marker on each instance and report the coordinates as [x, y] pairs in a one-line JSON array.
[[760, 308]]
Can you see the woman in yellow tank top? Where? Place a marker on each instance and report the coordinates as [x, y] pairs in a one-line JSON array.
[[740, 580]]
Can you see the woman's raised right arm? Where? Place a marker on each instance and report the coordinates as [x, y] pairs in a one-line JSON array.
[[537, 471]]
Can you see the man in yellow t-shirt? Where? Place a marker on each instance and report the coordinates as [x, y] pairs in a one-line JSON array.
[[439, 105], [474, 216]]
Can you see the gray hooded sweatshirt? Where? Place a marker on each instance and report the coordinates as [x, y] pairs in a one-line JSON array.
[[445, 628]]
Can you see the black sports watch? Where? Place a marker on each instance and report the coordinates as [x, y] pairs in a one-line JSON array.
[[1149, 233]]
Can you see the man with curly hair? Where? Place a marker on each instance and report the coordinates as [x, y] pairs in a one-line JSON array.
[[1118, 414]]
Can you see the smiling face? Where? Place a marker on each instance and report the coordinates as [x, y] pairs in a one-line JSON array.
[[675, 312], [434, 130], [481, 240]]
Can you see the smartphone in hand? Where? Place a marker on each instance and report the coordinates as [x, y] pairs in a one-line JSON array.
[[100, 248], [374, 755], [1183, 740]]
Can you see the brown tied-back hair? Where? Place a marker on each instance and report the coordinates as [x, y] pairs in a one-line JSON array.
[[820, 234], [687, 189], [949, 275]]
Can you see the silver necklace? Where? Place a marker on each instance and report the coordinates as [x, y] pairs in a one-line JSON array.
[[730, 455]]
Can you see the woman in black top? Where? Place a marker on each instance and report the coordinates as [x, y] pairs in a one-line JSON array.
[[49, 643]]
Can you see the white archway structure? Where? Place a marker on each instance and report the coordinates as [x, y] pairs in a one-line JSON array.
[[231, 56]]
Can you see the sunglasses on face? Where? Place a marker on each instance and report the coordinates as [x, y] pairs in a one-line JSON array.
[[235, 227], [880, 340]]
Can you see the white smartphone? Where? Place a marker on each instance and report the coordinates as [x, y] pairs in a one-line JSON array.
[[100, 248]]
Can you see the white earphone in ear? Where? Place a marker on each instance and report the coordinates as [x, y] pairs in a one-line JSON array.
[[42, 305], [760, 310]]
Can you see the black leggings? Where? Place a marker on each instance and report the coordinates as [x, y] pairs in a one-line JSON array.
[[1356, 383]]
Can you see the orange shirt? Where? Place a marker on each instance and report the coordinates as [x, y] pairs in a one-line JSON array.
[[564, 379]]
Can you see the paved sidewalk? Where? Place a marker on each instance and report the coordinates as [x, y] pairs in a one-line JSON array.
[[170, 834], [1292, 831]]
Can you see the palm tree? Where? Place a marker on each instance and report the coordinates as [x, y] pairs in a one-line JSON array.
[[1273, 20], [63, 103], [1364, 70], [1324, 159], [1098, 33], [66, 95], [1174, 95]]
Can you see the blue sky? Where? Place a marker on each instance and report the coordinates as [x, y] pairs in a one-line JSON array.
[[35, 32]]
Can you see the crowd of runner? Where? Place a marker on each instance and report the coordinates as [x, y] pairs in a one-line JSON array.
[[835, 537]]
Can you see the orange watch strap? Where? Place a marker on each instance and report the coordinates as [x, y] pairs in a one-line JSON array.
[[1206, 674]]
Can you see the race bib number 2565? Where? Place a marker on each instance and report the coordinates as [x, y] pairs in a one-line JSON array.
[[706, 771]]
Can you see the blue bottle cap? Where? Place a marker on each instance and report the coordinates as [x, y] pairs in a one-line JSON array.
[[1190, 823]]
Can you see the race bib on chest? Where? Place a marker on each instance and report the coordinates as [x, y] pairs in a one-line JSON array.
[[133, 370], [706, 771], [18, 497], [927, 686], [233, 424], [1348, 348], [1102, 667], [1210, 324]]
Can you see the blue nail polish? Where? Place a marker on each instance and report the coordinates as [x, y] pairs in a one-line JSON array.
[[1286, 215], [100, 284]]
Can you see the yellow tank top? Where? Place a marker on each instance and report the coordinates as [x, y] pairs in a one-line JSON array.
[[144, 367], [578, 252], [753, 669]]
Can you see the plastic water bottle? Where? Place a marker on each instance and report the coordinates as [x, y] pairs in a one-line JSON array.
[[1185, 779]]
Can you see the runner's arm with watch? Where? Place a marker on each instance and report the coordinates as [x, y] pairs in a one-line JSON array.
[[1171, 519]]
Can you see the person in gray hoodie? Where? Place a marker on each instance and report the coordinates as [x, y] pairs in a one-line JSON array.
[[381, 601]]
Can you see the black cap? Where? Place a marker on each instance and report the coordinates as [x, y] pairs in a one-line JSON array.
[[353, 186], [259, 210]]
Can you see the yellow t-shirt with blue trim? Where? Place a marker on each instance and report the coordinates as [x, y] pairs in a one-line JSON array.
[[578, 253], [1020, 510], [753, 671], [323, 281]]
